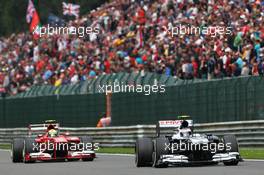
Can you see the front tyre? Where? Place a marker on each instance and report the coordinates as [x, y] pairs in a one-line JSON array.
[[233, 147], [87, 141], [30, 146], [160, 148], [17, 150], [143, 150]]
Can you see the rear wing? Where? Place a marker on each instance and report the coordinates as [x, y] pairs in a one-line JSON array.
[[35, 129], [170, 124]]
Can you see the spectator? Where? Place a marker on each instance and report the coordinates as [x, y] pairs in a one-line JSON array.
[[245, 70], [134, 36]]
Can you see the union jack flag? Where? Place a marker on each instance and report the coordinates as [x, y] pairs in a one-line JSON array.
[[71, 9], [30, 11]]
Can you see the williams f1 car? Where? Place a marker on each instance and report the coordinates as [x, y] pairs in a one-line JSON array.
[[45, 143], [183, 146]]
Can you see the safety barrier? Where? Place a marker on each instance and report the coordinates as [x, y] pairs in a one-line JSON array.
[[249, 133]]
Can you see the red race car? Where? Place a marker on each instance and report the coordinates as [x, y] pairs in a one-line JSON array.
[[45, 143]]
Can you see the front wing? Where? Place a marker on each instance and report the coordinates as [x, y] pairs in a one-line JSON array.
[[179, 159], [42, 156]]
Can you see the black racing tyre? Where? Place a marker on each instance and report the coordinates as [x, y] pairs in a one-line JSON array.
[[160, 148], [87, 142], [17, 150], [231, 140], [30, 147], [143, 150], [73, 160]]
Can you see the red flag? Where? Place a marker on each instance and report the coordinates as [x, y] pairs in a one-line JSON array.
[[35, 25], [33, 18]]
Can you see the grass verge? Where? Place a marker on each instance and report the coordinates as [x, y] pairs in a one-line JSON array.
[[5, 146], [252, 153], [246, 153], [117, 150]]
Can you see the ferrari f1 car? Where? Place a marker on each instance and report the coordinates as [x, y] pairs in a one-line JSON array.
[[45, 143], [183, 146]]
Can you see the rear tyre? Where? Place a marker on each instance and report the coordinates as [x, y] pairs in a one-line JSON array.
[[231, 140], [143, 150], [30, 147], [160, 149], [87, 140], [17, 150]]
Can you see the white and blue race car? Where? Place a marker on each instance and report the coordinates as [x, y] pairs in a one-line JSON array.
[[184, 146]]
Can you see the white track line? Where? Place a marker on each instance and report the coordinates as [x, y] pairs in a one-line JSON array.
[[253, 160], [4, 150], [112, 154]]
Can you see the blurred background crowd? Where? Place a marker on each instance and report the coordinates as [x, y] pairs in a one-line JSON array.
[[132, 39]]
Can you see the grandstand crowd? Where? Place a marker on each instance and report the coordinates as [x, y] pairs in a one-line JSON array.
[[132, 38]]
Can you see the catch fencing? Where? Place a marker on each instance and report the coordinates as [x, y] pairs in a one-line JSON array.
[[222, 100]]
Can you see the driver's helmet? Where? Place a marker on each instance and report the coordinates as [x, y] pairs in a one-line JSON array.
[[52, 133], [185, 130], [184, 124]]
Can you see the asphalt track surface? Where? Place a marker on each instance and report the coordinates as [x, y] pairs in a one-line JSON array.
[[119, 165]]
